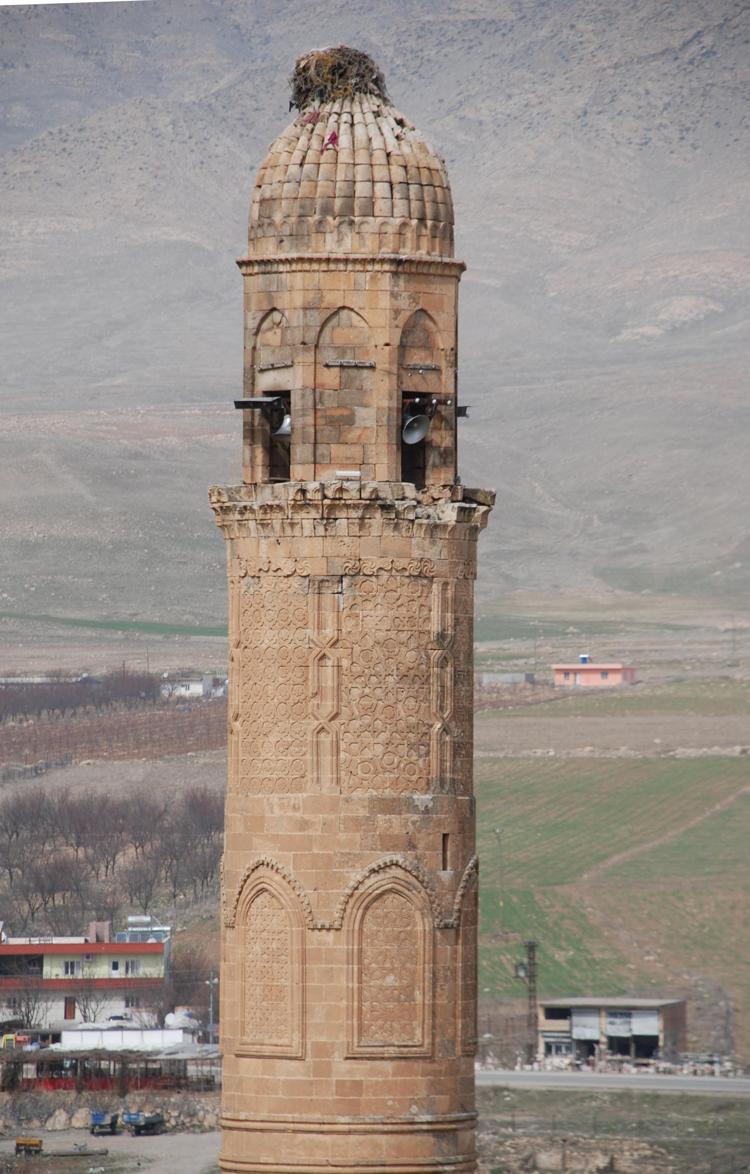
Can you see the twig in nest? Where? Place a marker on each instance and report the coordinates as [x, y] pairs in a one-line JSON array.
[[327, 74]]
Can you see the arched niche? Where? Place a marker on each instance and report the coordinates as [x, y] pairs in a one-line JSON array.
[[344, 394], [273, 372], [273, 359], [421, 377], [270, 926], [389, 933]]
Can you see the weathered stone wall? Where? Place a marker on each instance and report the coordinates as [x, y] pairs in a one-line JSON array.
[[54, 1111], [349, 969]]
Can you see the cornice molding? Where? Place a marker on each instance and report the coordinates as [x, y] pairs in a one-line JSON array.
[[327, 262]]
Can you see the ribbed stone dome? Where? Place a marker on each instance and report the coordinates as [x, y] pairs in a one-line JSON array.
[[351, 175]]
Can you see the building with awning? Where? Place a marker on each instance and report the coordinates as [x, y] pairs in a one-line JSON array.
[[641, 1029]]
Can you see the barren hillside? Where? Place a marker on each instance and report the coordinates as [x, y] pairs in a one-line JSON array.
[[599, 159]]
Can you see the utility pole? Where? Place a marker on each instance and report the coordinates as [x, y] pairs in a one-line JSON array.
[[211, 983], [499, 838], [526, 971]]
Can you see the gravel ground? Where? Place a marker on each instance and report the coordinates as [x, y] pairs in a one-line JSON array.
[[166, 1153]]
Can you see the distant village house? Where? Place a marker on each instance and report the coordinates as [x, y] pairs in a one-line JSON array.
[[53, 982], [587, 674]]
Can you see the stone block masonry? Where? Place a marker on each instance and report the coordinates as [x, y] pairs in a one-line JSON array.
[[349, 889]]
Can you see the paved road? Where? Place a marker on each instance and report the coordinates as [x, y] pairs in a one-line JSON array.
[[601, 1082]]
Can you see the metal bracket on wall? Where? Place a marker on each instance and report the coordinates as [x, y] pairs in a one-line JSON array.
[[349, 363]]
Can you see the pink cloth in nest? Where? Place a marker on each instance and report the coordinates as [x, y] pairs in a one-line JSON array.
[[331, 141]]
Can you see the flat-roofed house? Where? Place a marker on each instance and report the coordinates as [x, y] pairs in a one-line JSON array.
[[600, 675], [638, 1028], [47, 982]]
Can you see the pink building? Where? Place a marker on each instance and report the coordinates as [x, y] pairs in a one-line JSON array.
[[584, 673]]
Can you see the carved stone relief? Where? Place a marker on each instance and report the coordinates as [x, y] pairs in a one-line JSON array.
[[275, 691], [272, 976], [390, 946], [233, 684], [442, 681], [385, 707], [389, 974], [325, 617]]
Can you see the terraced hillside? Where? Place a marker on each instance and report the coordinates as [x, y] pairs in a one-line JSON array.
[[632, 873]]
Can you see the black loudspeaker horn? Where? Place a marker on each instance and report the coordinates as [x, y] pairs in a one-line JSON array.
[[417, 419]]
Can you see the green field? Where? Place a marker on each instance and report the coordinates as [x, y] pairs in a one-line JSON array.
[[144, 626], [675, 909], [495, 625], [714, 698]]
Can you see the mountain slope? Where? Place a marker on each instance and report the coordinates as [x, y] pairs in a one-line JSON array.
[[598, 155]]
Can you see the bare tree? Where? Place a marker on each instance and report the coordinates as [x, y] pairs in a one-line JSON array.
[[90, 999], [106, 836], [145, 820], [31, 1001], [192, 968], [74, 819], [141, 879]]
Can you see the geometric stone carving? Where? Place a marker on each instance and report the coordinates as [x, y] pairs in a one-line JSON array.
[[390, 948], [230, 909], [274, 685], [443, 622], [272, 978], [325, 605], [385, 704]]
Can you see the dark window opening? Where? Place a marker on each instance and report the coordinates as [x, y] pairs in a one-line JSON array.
[[619, 1045], [585, 1048], [445, 865], [414, 463], [556, 1013], [30, 966], [279, 445], [646, 1046]]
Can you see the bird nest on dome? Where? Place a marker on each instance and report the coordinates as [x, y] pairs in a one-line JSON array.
[[328, 74]]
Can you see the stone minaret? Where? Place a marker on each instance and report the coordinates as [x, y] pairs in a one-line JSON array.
[[349, 887]]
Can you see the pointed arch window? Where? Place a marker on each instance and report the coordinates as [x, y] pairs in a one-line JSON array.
[[421, 387], [390, 933], [271, 958]]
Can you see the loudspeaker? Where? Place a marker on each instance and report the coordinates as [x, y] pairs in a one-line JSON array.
[[285, 427], [416, 426]]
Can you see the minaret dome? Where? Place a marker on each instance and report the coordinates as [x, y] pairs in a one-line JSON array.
[[350, 174]]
